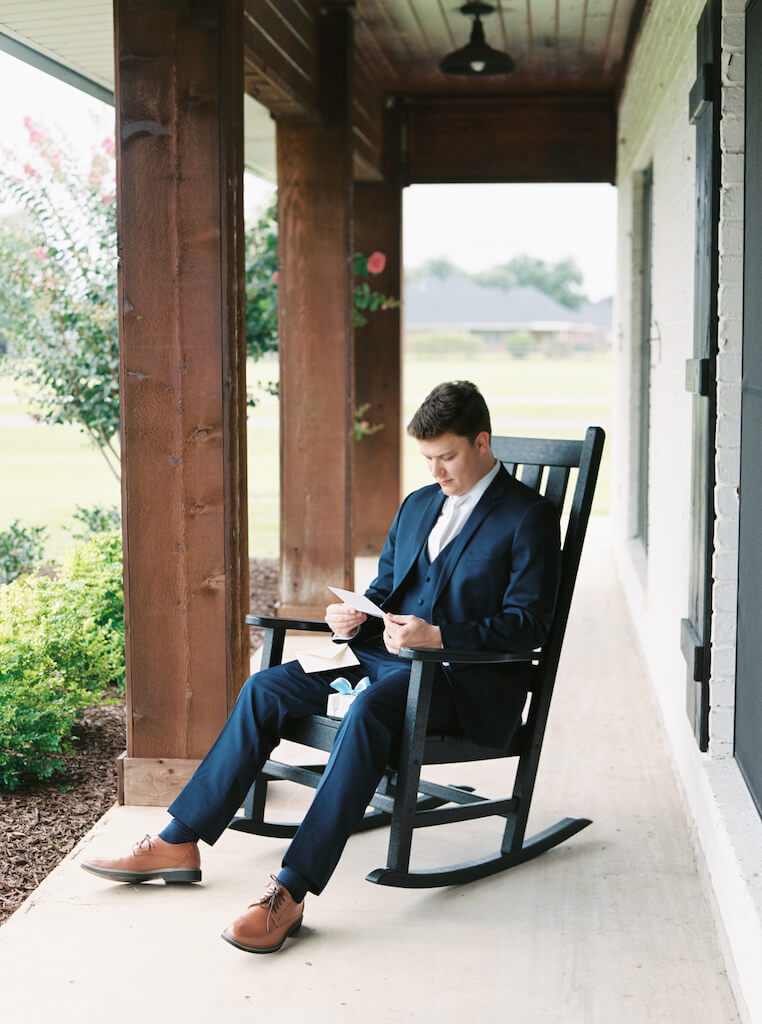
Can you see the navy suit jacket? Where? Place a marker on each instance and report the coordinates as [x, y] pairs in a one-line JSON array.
[[498, 593]]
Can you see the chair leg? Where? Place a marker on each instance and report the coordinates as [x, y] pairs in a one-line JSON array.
[[409, 772]]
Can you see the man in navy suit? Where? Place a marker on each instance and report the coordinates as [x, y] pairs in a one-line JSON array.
[[471, 563]]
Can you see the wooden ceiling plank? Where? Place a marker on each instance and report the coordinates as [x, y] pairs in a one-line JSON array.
[[294, 48], [416, 17], [606, 51], [367, 43], [448, 28], [620, 29], [513, 33], [596, 27]]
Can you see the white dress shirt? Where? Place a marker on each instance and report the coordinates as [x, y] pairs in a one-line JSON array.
[[455, 511]]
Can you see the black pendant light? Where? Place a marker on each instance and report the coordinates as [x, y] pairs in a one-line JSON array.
[[476, 57]]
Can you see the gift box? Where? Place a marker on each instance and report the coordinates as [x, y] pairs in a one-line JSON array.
[[339, 702]]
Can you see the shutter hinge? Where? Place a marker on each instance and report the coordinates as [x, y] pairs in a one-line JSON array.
[[697, 376], [701, 93], [693, 650]]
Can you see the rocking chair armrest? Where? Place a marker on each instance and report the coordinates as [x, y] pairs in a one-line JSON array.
[[308, 625], [464, 657]]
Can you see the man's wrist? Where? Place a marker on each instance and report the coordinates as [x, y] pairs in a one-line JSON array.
[[344, 639]]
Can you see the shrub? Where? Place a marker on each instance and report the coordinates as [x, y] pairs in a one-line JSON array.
[[21, 550], [95, 519], [61, 645]]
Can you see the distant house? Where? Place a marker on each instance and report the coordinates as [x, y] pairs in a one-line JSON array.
[[449, 306]]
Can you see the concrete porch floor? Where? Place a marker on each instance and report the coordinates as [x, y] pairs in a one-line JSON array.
[[612, 926]]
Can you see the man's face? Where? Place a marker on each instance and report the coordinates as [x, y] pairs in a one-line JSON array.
[[455, 463]]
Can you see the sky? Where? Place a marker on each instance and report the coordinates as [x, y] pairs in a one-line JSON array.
[[473, 226]]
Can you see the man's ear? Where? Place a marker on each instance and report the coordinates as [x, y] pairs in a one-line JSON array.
[[481, 442]]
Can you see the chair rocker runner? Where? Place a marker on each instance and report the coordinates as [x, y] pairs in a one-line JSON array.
[[405, 801]]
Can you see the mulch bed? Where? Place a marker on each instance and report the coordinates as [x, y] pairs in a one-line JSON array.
[[40, 822]]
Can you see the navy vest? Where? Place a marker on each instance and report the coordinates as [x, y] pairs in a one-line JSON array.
[[416, 596]]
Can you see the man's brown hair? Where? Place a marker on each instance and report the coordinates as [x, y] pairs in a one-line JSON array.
[[456, 407]]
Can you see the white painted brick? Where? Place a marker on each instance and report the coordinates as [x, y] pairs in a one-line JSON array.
[[724, 628], [724, 597], [728, 400], [730, 299], [732, 132], [730, 333], [733, 33], [729, 430], [721, 731], [723, 661], [726, 500], [731, 203], [723, 693], [732, 168], [729, 367], [731, 236], [732, 69], [725, 567], [726, 535]]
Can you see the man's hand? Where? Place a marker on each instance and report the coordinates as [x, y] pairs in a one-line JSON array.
[[409, 631], [344, 620]]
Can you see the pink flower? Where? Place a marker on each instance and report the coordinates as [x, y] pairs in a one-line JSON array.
[[376, 262], [39, 253], [35, 135], [275, 275], [107, 198], [108, 146], [30, 171]]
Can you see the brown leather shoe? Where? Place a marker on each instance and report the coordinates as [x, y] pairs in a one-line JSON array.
[[151, 858], [267, 923]]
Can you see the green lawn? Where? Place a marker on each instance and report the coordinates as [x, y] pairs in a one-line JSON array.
[[46, 471]]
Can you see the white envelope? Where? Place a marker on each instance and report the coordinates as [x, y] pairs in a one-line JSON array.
[[327, 656]]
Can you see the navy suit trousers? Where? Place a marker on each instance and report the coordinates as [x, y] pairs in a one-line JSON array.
[[268, 700]]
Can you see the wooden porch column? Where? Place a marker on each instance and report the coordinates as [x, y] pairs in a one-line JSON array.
[[376, 469], [315, 340], [179, 116]]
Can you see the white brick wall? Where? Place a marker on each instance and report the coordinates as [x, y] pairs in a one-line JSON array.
[[730, 305], [653, 127]]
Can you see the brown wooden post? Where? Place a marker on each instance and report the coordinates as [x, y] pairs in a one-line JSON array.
[[376, 468], [179, 109], [315, 341]]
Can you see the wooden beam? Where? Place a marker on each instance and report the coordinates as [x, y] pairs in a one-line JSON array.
[[376, 469], [281, 52], [179, 110], [315, 335], [152, 781], [568, 137], [367, 126]]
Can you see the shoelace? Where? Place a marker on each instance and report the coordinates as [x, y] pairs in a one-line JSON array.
[[272, 899], [145, 844]]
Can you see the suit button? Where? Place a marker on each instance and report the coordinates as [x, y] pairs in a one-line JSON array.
[[420, 600], [428, 579]]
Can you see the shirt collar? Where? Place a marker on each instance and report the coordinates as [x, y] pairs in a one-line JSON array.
[[472, 497]]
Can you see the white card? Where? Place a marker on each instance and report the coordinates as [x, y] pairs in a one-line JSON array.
[[358, 601]]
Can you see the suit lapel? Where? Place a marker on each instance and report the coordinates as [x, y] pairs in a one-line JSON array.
[[428, 517], [488, 501]]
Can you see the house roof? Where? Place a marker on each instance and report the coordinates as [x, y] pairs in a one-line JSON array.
[[457, 302]]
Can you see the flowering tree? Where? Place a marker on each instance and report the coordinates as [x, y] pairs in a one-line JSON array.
[[58, 286]]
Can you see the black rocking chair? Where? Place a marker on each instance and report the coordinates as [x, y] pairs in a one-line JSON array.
[[404, 800]]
